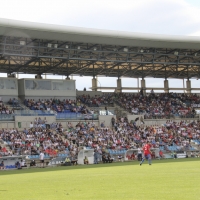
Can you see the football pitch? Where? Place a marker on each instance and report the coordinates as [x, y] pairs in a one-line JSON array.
[[164, 179]]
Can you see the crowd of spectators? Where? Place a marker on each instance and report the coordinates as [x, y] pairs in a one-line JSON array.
[[4, 109], [3, 150], [151, 105], [13, 102], [39, 137], [123, 135], [96, 101], [164, 105], [56, 105]]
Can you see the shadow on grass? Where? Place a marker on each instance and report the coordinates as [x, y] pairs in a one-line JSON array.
[[117, 164]]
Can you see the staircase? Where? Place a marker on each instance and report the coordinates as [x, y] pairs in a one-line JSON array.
[[115, 110], [22, 104], [119, 111], [196, 146]]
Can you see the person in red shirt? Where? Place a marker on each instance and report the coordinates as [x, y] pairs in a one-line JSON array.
[[147, 153]]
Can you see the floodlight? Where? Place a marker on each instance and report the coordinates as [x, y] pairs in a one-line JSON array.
[[78, 47], [176, 53], [22, 42], [141, 50], [95, 48], [66, 46], [49, 45], [126, 49]]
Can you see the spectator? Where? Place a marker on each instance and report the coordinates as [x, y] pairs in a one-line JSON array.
[[161, 154], [2, 165], [95, 157], [104, 158], [139, 155], [23, 164], [74, 160], [120, 158], [18, 165], [106, 110], [31, 125], [67, 161], [113, 121], [86, 162], [41, 159], [110, 160], [32, 163]]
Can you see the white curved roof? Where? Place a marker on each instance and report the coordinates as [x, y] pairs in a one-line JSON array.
[[98, 36]]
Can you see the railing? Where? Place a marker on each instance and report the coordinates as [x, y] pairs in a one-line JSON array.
[[169, 116], [77, 116], [101, 105], [33, 113], [7, 117]]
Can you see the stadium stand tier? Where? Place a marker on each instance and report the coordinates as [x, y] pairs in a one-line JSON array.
[[122, 136], [52, 116]]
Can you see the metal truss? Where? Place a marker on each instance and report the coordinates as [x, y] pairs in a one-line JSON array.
[[34, 56]]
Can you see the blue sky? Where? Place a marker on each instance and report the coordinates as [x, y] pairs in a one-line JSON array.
[[171, 17], [195, 3]]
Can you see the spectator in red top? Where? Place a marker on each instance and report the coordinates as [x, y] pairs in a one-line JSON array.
[[4, 149], [147, 153], [133, 156], [161, 154]]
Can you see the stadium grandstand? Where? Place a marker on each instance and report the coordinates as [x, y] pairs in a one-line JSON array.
[[52, 116]]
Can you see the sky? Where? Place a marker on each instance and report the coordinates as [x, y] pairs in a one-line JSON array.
[[169, 17]]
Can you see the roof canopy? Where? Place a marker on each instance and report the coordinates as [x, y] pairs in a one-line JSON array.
[[74, 34], [35, 48]]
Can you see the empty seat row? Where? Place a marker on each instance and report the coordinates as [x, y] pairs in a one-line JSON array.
[[10, 167], [37, 156], [172, 148], [46, 156], [116, 152], [62, 155]]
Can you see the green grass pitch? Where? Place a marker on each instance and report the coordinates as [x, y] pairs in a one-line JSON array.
[[165, 179]]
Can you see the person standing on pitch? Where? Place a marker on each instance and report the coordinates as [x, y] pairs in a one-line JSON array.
[[139, 155], [147, 153], [42, 159]]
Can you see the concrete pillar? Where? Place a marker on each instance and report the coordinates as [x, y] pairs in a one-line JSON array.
[[183, 85], [38, 76], [94, 84], [166, 86], [188, 86], [143, 85], [119, 85], [138, 85]]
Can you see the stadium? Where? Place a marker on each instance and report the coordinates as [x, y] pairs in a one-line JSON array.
[[58, 142]]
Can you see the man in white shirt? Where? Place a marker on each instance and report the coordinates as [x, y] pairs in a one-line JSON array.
[[139, 156], [23, 164], [31, 125], [42, 159]]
